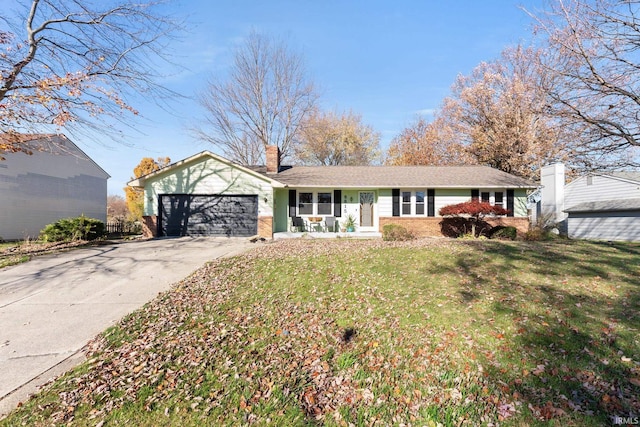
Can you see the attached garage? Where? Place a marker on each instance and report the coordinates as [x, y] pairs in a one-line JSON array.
[[208, 215], [605, 220]]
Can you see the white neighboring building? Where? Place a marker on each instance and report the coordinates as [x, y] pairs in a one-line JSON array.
[[601, 206], [57, 181]]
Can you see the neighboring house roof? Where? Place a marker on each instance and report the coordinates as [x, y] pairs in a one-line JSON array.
[[627, 175], [400, 177], [606, 206], [632, 176]]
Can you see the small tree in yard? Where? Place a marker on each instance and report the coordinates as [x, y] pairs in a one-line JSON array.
[[474, 211]]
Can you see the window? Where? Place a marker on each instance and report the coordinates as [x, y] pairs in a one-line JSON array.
[[499, 199], [324, 203], [406, 203], [419, 202], [305, 204], [484, 196]]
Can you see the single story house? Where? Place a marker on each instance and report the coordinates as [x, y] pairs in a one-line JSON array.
[[208, 194], [58, 180], [600, 206]]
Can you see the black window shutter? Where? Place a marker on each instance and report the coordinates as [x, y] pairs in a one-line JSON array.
[[395, 196], [431, 202], [337, 203], [292, 203], [510, 202], [475, 195]]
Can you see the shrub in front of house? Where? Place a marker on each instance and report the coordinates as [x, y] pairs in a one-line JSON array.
[[502, 232], [459, 226], [396, 232], [70, 229]]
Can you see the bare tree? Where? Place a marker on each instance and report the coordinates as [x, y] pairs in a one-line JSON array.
[[262, 102], [116, 207], [592, 53], [72, 63], [337, 139]]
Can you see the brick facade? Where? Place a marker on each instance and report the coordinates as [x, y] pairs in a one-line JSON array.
[[430, 226], [150, 226], [265, 227]]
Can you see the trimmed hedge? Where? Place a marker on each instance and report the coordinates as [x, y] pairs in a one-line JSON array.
[[70, 229], [396, 232]]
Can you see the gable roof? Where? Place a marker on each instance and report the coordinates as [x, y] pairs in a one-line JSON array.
[[400, 177], [203, 155], [627, 175], [606, 206]]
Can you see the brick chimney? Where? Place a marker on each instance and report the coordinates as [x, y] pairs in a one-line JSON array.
[[273, 159]]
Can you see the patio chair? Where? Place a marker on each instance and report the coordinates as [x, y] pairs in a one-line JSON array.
[[330, 223], [297, 224]]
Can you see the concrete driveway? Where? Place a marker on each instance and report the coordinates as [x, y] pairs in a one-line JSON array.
[[51, 306]]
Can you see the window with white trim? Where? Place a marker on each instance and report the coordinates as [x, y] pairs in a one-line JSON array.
[[419, 202], [315, 203], [416, 203], [324, 203], [305, 203], [406, 203]]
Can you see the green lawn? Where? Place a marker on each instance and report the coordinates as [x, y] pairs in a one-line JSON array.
[[430, 332]]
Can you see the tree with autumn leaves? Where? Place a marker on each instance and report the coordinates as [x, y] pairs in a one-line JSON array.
[[572, 98], [135, 196], [495, 116], [472, 212]]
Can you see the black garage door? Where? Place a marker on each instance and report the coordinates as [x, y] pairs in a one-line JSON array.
[[208, 215]]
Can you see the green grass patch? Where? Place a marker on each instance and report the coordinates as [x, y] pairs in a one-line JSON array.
[[370, 332]]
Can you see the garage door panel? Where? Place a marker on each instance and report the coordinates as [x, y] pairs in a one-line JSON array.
[[186, 215]]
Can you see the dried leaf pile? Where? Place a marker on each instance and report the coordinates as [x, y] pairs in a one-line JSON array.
[[428, 332]]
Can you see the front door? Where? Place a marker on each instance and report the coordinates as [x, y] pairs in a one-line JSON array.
[[367, 199]]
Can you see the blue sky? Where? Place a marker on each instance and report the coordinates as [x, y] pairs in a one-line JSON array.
[[386, 60]]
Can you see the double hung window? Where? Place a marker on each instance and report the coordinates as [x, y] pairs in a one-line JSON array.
[[305, 204], [311, 203]]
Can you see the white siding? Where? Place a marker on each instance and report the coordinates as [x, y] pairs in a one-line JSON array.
[[445, 197], [601, 188], [385, 202], [44, 187], [602, 225], [605, 226], [208, 176]]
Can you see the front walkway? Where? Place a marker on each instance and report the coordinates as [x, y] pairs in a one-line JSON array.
[[327, 235]]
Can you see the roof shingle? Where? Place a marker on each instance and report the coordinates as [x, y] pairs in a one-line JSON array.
[[399, 177], [606, 206]]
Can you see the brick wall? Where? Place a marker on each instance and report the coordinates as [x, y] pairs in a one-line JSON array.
[[150, 226], [430, 226], [273, 158], [265, 227]]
